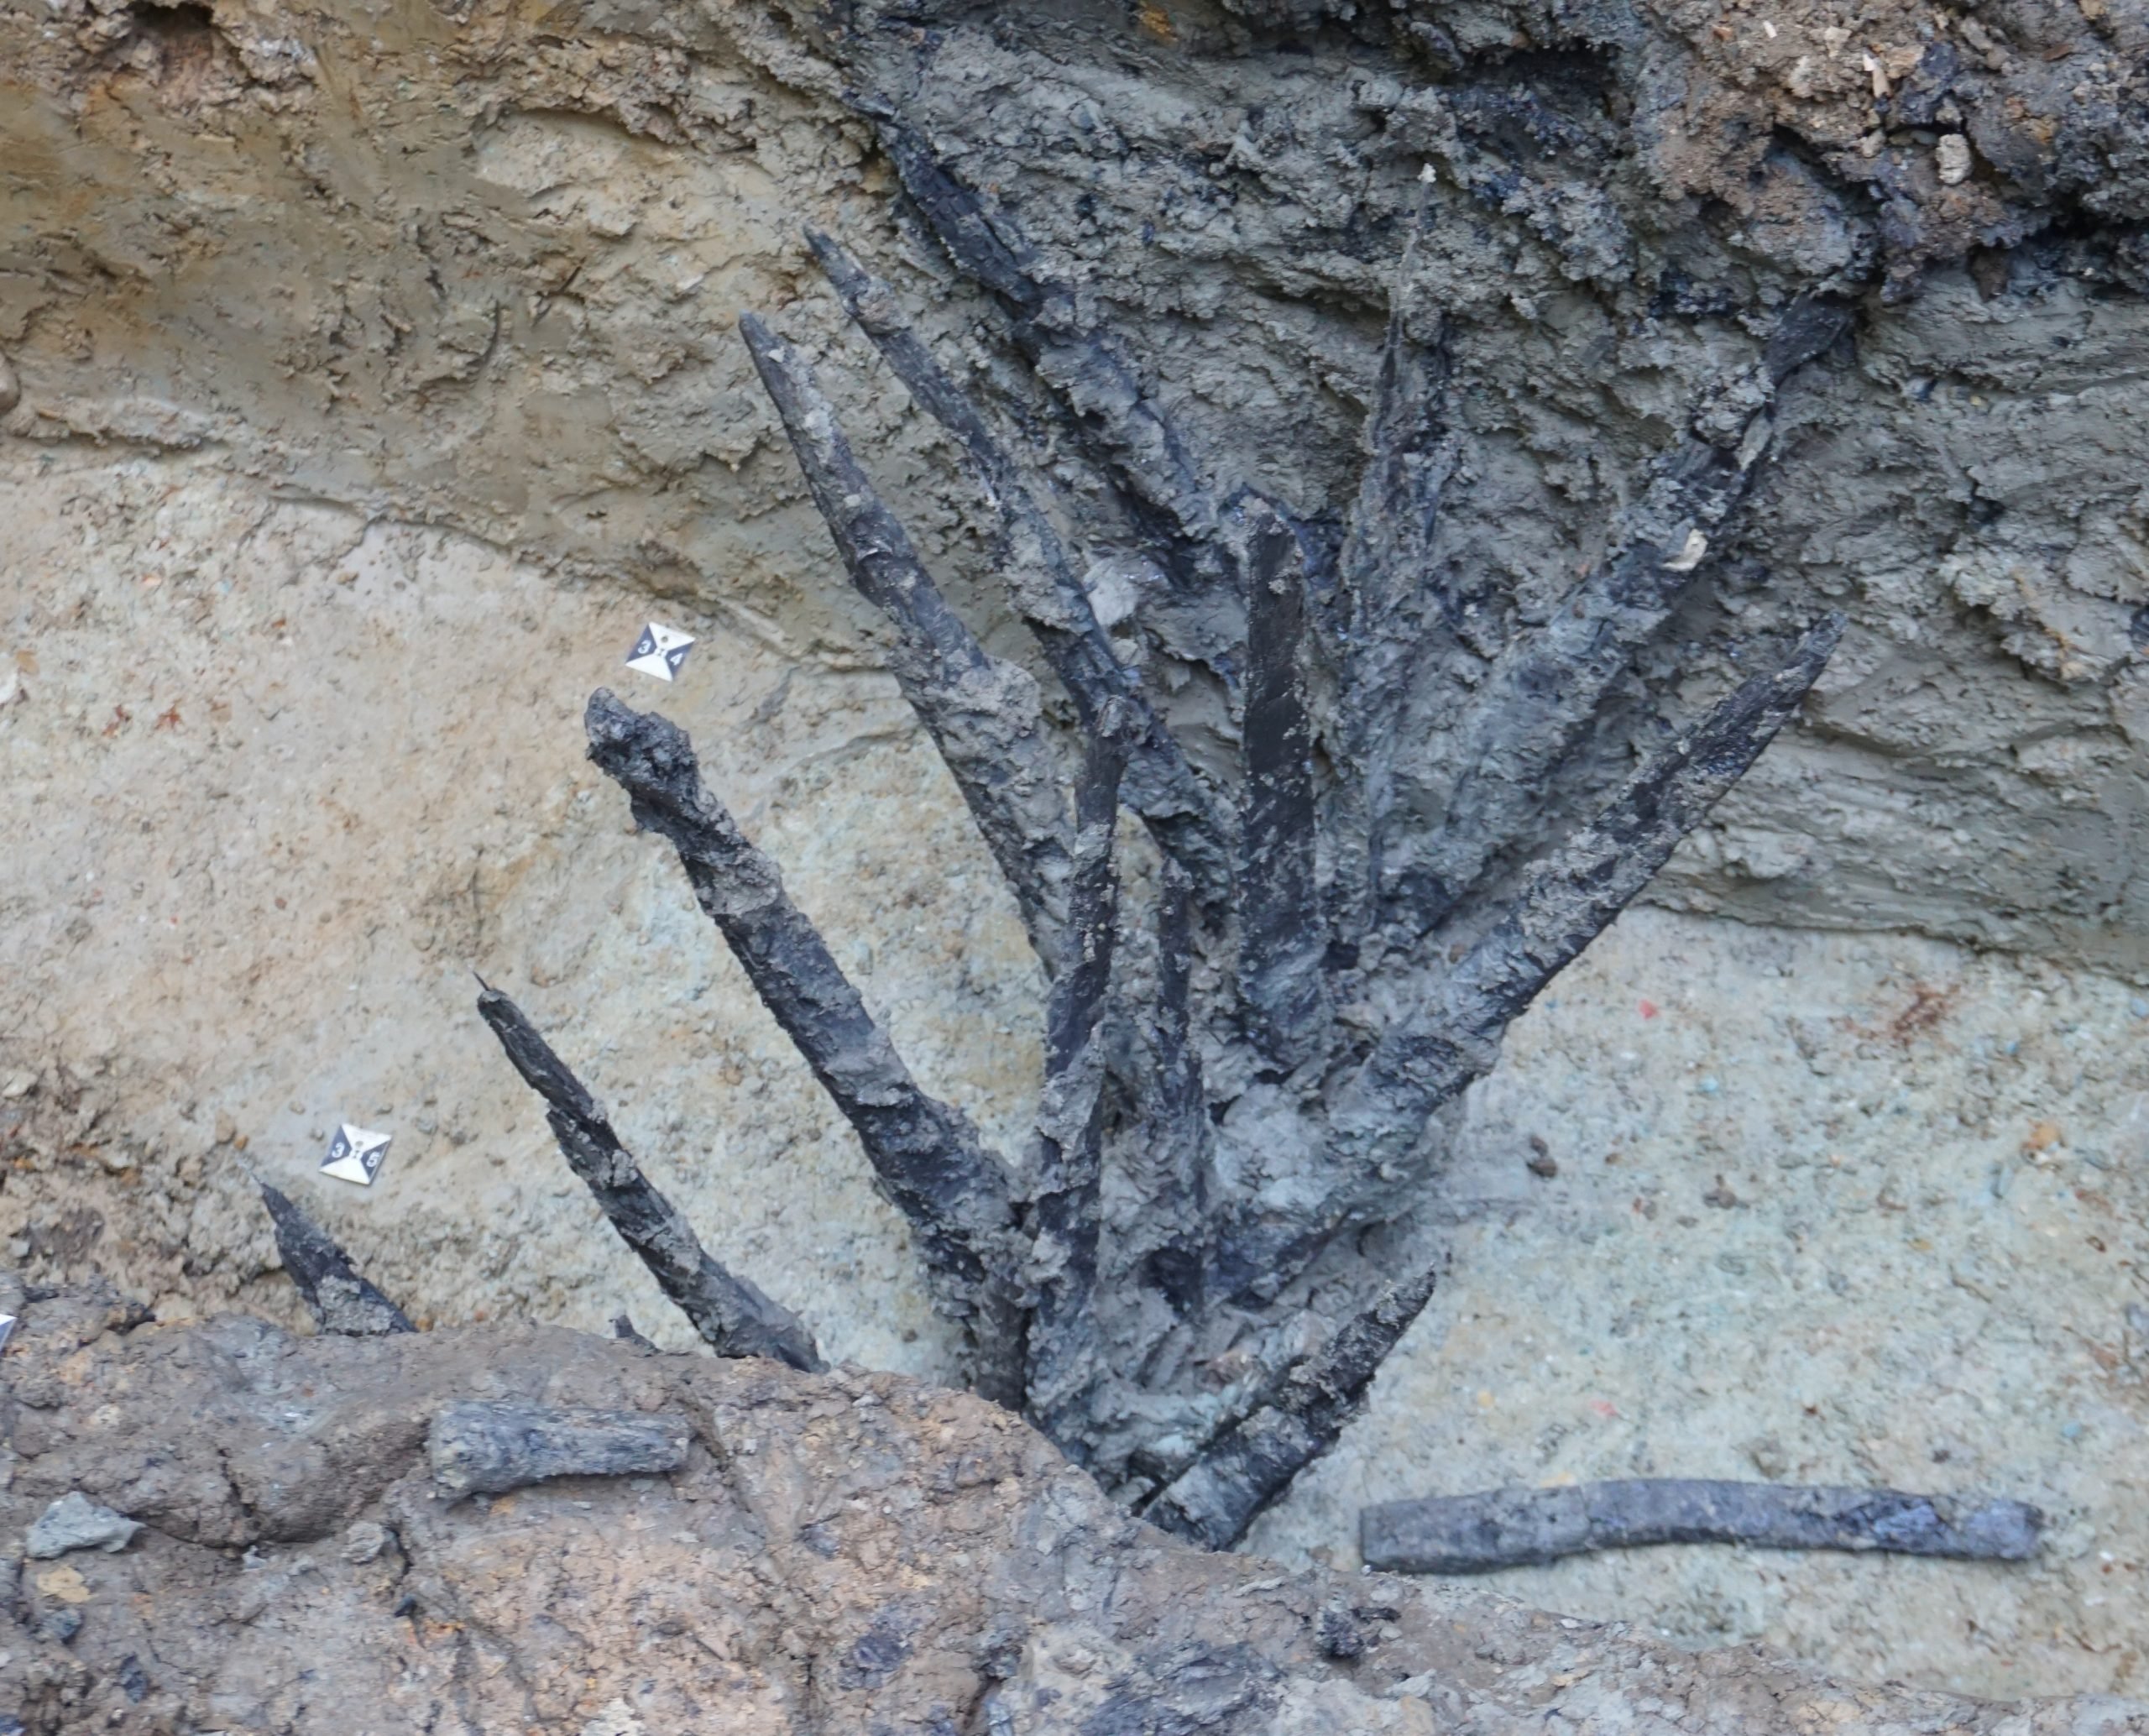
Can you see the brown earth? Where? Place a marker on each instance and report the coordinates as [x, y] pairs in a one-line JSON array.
[[845, 1552]]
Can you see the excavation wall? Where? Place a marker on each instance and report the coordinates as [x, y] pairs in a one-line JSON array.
[[370, 377]]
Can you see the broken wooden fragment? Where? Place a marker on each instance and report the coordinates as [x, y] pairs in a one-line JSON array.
[[478, 1448], [623, 1329], [1517, 1528], [1806, 331], [1225, 1490], [336, 1295]]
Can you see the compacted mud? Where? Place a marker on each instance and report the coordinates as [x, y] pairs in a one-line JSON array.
[[511, 1528]]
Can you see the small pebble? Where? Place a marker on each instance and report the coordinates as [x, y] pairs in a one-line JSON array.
[[1953, 157], [2071, 1431], [1708, 1087], [2139, 1008], [74, 1522], [1768, 1457], [11, 387], [1540, 1161]]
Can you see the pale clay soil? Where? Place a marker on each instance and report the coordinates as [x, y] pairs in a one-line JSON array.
[[274, 781]]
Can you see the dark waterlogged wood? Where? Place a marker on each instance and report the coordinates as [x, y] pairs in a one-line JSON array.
[[1065, 1205], [926, 1155], [1391, 599], [1133, 443], [1158, 783], [1247, 1044], [1518, 1527], [983, 713], [337, 1294], [731, 1313], [1251, 1464], [1427, 1058], [1282, 942], [481, 1448], [1542, 694], [1430, 1054], [1133, 440]]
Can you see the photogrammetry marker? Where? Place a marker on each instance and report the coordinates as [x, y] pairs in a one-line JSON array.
[[660, 652], [355, 1155]]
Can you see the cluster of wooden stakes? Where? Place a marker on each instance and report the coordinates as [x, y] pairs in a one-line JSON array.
[[1262, 997]]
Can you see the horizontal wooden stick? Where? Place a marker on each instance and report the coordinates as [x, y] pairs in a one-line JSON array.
[[1519, 1528]]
